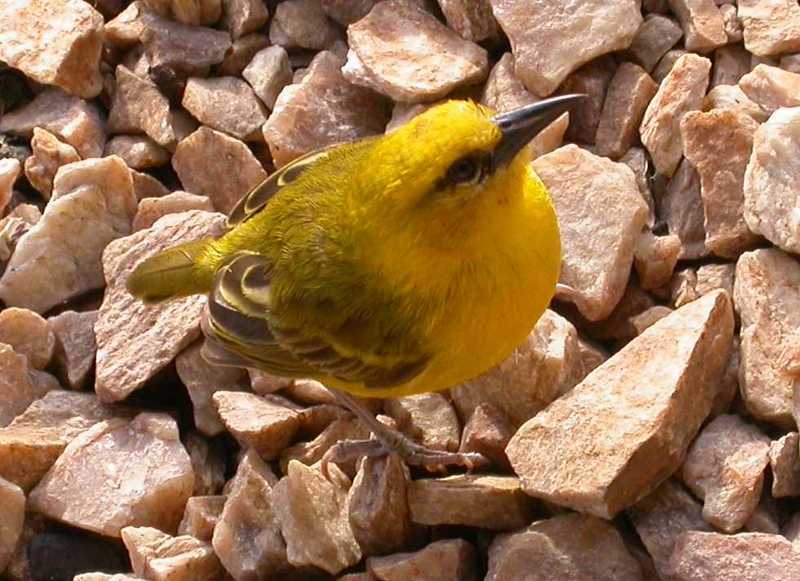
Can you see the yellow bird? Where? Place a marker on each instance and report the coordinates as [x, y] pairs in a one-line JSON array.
[[400, 264]]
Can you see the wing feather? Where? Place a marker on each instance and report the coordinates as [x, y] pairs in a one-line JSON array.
[[240, 321]]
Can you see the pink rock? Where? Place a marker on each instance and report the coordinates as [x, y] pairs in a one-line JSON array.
[[49, 154], [784, 458], [446, 559], [731, 63], [135, 341], [568, 173], [210, 163], [268, 73], [745, 557], [159, 556], [681, 207], [138, 151], [71, 119], [12, 515], [549, 42], [681, 91], [151, 209], [241, 53], [718, 145], [567, 546], [583, 451], [226, 104], [301, 24], [242, 17], [725, 467], [770, 26], [322, 109], [703, 24], [627, 98], [411, 68], [771, 87], [75, 345], [109, 457], [28, 334], [654, 38], [54, 42], [17, 391], [473, 20]]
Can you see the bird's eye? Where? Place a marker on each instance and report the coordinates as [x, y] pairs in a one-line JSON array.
[[465, 170]]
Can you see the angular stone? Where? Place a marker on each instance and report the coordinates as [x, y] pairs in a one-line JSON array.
[[71, 119], [161, 557], [268, 73], [771, 27], [197, 13], [771, 88], [725, 467], [377, 506], [654, 38], [591, 80], [655, 258], [331, 110], [732, 97], [768, 301], [504, 92], [451, 560], [575, 454], [301, 24], [263, 383], [10, 169], [688, 285], [75, 346], [427, 418], [146, 186], [105, 577], [703, 24], [257, 422], [54, 42], [242, 17], [681, 207], [784, 458], [549, 43], [597, 248], [731, 63], [473, 20], [139, 106], [544, 367], [202, 380], [151, 209], [494, 503], [179, 49], [718, 145], [666, 63], [636, 158], [487, 432], [49, 154], [314, 520], [28, 334], [568, 546], [135, 341], [107, 459], [124, 29], [201, 516], [310, 453], [733, 26], [139, 152], [681, 91], [745, 557], [241, 53], [770, 206], [247, 537], [661, 517], [60, 257], [210, 163], [12, 515], [627, 98], [226, 104], [346, 12], [408, 68], [16, 386]]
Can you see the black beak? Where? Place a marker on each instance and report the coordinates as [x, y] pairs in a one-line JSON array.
[[521, 125]]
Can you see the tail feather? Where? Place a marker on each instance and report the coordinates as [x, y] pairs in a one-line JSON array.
[[182, 271]]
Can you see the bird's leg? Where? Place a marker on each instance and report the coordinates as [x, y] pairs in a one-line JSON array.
[[389, 440]]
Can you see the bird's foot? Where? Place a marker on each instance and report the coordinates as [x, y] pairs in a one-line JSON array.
[[412, 453]]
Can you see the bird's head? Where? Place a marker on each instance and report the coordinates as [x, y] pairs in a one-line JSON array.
[[452, 166]]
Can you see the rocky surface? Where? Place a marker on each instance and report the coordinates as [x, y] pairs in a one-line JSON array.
[[125, 126]]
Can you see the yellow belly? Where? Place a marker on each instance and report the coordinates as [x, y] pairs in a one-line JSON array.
[[493, 312]]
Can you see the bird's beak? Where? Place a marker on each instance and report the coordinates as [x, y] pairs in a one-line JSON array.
[[521, 125]]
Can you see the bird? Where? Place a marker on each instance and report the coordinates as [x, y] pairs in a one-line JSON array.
[[398, 264]]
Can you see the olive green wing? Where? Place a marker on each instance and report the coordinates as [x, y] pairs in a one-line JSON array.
[[257, 198], [241, 329]]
